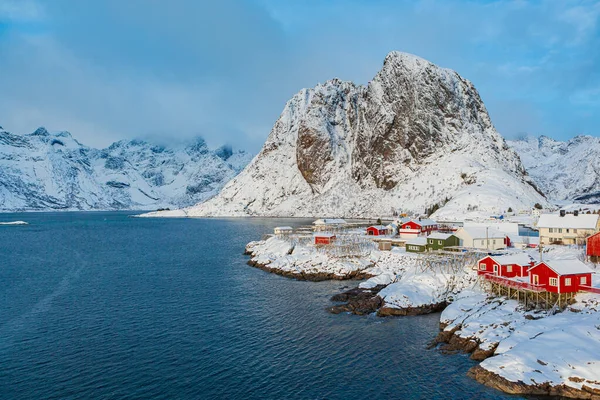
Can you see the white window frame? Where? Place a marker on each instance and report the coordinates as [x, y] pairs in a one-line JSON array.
[[553, 282], [583, 280], [567, 281], [509, 268], [482, 266]]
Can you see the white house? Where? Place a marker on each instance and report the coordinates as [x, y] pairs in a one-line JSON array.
[[565, 228], [283, 230], [482, 238], [328, 223]]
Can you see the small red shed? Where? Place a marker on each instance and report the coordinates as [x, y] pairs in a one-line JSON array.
[[592, 247], [324, 238], [508, 266], [377, 230], [561, 276]]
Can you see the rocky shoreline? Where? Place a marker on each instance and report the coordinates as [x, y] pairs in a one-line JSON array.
[[311, 276], [471, 322]]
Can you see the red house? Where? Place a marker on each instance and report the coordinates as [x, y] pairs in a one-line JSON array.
[[508, 266], [324, 238], [377, 230], [561, 276], [418, 227], [592, 247]]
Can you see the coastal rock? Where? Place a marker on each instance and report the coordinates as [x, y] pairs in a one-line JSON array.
[[387, 311], [358, 301]]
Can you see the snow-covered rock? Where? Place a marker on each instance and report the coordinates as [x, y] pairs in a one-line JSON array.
[[563, 170], [53, 171], [416, 136]]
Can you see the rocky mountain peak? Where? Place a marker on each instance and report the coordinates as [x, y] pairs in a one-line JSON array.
[[415, 136]]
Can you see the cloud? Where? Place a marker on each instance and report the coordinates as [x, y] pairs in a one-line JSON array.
[[111, 69]]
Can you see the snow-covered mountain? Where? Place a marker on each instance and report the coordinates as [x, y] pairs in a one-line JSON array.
[[563, 170], [417, 136], [51, 171]]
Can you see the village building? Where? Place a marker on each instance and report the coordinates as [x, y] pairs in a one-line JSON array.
[[416, 245], [567, 229], [385, 245], [508, 266], [418, 227], [561, 276], [482, 238], [592, 248], [324, 224], [377, 230], [438, 241], [324, 238], [283, 230]]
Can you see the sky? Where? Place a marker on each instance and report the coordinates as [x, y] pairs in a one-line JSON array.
[[107, 70]]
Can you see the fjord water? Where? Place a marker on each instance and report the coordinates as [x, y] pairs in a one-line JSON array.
[[100, 305]]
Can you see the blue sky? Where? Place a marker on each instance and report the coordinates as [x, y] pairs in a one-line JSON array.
[[108, 70]]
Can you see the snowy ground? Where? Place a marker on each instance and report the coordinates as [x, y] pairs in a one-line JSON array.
[[534, 347]]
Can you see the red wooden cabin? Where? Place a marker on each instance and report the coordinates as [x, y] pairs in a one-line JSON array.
[[508, 266], [324, 238], [418, 227], [377, 230], [561, 276], [592, 247]]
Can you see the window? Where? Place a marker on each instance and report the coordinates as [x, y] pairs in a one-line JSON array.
[[574, 230], [567, 230], [559, 230], [440, 242], [553, 282], [494, 241], [509, 268], [567, 281], [583, 280], [482, 267], [551, 230]]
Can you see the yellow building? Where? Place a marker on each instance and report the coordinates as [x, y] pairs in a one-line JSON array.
[[567, 228]]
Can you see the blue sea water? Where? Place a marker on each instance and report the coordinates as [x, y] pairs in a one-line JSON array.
[[103, 306]]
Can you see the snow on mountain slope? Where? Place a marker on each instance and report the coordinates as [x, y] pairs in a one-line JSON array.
[[563, 170], [44, 171], [416, 136]]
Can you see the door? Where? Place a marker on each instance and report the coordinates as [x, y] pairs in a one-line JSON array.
[[536, 280], [495, 269]]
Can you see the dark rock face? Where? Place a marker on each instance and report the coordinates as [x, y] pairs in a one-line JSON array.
[[407, 311], [358, 301]]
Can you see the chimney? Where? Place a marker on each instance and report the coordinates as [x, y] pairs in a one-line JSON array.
[[576, 213], [562, 213]]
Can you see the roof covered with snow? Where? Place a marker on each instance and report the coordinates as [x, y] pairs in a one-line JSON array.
[[284, 228], [378, 227], [582, 221], [438, 235], [483, 233], [324, 235], [509, 259], [419, 241], [567, 267], [423, 222]]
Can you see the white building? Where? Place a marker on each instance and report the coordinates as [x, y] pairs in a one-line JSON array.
[[481, 238], [328, 223], [567, 228], [283, 230]]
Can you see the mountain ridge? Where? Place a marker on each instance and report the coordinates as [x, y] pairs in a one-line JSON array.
[[46, 171]]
